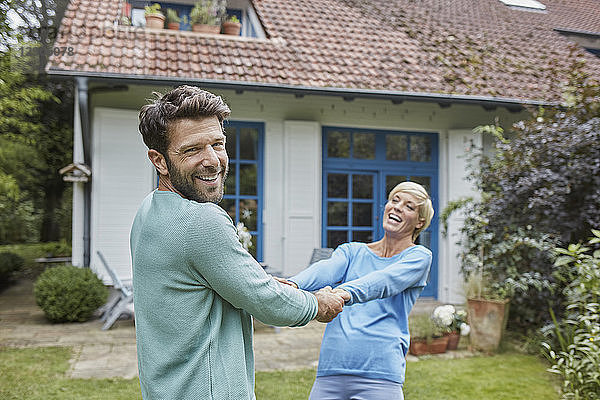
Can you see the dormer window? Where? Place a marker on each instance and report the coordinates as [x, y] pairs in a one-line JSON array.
[[527, 5], [241, 9]]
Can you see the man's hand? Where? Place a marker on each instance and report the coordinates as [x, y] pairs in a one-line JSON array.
[[330, 304]]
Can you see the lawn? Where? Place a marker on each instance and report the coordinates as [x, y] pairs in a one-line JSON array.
[[39, 373]]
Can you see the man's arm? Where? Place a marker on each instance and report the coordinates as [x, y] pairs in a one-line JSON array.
[[217, 257]]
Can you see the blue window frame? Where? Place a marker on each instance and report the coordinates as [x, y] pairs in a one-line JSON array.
[[360, 167], [243, 196]]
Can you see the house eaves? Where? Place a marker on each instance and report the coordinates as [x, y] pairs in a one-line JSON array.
[[348, 94]]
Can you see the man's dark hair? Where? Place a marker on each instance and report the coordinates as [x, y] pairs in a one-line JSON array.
[[182, 102]]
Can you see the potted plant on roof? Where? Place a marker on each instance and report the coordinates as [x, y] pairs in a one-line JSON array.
[[232, 26], [173, 19], [206, 16], [154, 17], [426, 336]]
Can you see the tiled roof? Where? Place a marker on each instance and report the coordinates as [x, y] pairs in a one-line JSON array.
[[466, 47]]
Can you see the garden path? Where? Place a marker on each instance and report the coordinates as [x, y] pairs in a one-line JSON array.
[[112, 353]]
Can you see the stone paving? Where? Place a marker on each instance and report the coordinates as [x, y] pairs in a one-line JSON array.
[[112, 353]]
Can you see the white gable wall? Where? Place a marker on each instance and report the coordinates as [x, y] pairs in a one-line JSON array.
[[122, 176]]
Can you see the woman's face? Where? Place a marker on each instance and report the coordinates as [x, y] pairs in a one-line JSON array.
[[401, 215]]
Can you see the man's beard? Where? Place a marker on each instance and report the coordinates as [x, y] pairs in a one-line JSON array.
[[185, 184]]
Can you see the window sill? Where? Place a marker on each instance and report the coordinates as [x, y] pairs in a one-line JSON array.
[[220, 36]]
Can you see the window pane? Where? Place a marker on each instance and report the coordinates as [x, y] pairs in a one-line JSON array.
[[230, 141], [248, 213], [362, 186], [391, 181], [338, 144], [425, 181], [337, 213], [362, 214], [396, 147], [335, 238], [362, 236], [230, 181], [337, 185], [420, 148], [229, 206], [364, 146], [248, 143], [248, 179]]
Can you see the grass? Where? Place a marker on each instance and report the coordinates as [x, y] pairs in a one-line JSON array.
[[501, 377], [39, 373]]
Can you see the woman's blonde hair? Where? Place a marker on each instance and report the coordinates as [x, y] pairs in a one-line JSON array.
[[424, 203]]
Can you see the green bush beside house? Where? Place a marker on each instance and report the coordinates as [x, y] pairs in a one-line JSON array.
[[69, 294]]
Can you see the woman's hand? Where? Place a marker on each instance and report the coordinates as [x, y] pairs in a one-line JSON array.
[[345, 294]]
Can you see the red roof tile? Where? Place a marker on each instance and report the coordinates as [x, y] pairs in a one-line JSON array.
[[470, 47]]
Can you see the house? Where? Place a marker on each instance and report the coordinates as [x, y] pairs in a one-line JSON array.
[[334, 102]]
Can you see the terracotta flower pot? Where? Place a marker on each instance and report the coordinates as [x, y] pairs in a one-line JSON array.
[[453, 339], [155, 21], [203, 28], [487, 319], [232, 28], [419, 347], [173, 25]]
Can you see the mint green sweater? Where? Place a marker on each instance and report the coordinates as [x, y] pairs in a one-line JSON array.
[[195, 288]]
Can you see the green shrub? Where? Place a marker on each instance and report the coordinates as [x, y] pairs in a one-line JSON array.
[[573, 346], [68, 293], [56, 249], [9, 263]]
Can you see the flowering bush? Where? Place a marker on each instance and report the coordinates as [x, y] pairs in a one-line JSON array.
[[451, 320], [244, 236]]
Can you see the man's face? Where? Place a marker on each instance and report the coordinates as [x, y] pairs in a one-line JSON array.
[[197, 160]]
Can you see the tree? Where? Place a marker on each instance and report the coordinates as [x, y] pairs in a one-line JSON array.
[[36, 114], [540, 187]]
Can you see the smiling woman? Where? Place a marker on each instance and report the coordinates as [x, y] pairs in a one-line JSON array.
[[364, 348]]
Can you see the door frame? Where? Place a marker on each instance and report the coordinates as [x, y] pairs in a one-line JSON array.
[[381, 169]]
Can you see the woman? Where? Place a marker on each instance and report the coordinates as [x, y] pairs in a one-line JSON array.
[[363, 350]]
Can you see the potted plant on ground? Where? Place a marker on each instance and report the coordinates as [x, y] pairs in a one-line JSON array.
[[232, 26], [454, 321], [154, 17], [206, 16], [487, 307], [173, 19], [426, 337]]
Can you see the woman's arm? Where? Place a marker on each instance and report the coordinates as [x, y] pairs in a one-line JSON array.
[[410, 271], [328, 272]]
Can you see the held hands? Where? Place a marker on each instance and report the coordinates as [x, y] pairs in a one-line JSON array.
[[331, 303]]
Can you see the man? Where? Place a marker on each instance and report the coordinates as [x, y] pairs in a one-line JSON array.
[[195, 287]]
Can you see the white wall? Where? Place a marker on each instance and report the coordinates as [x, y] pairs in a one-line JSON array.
[[459, 143], [122, 176], [292, 164]]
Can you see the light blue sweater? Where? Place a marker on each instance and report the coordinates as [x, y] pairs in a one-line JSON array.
[[194, 290], [370, 337]]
